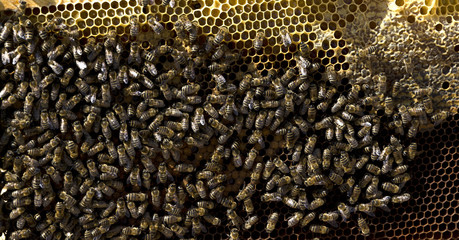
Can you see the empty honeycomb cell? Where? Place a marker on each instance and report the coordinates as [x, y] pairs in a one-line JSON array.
[[65, 14], [98, 22], [52, 8], [36, 11], [81, 24], [319, 17], [41, 18], [89, 22], [44, 10], [84, 14], [86, 32]]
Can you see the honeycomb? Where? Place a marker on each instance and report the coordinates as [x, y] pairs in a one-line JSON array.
[[337, 32]]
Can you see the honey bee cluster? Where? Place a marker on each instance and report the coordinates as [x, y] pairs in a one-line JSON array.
[[93, 137]]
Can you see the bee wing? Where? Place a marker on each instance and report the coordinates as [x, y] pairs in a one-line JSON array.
[[202, 120], [333, 224], [343, 216], [169, 176], [109, 56], [5, 57], [235, 112], [203, 227], [371, 214], [194, 126], [385, 208], [157, 178], [81, 64], [76, 50], [130, 58], [16, 59]]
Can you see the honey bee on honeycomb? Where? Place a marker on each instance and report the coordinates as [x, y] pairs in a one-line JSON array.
[[162, 127]]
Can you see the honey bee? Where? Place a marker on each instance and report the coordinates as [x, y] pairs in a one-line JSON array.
[[304, 48], [206, 204], [250, 222], [212, 220], [372, 189], [390, 187], [213, 113], [288, 102], [21, 234], [48, 232], [404, 114], [388, 106], [347, 186], [365, 130], [20, 68], [171, 3], [236, 220], [258, 41], [421, 92], [134, 26], [216, 193], [163, 174], [155, 197], [401, 198], [244, 85], [201, 189], [363, 226], [326, 158], [234, 234], [354, 109], [172, 209], [412, 148], [157, 27], [355, 194], [399, 170], [136, 197], [215, 181], [246, 192], [228, 202], [351, 140], [131, 231], [295, 219], [329, 217], [282, 166], [260, 120], [247, 102], [373, 169], [250, 159], [197, 226], [221, 34], [321, 229], [285, 35], [310, 144], [6, 31], [381, 203], [316, 203], [336, 178], [256, 137], [272, 221], [216, 56], [171, 219], [269, 168], [87, 198], [345, 211], [396, 88], [439, 117]]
